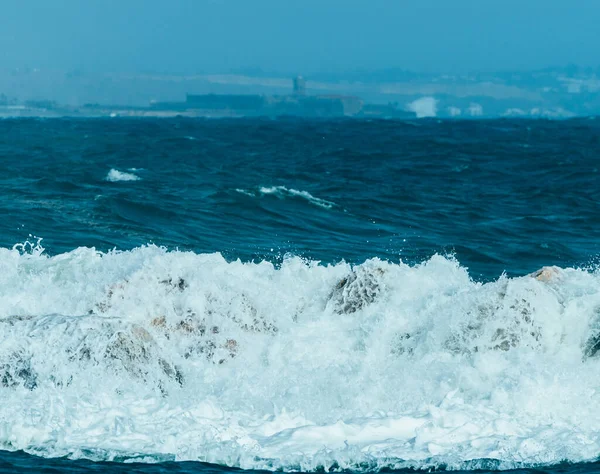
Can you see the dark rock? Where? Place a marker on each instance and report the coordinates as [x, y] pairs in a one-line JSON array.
[[18, 371], [358, 289]]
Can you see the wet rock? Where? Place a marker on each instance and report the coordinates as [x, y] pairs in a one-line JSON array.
[[159, 322], [504, 319], [137, 353], [15, 319], [130, 351], [214, 342], [546, 274], [16, 371], [171, 371], [213, 351], [83, 353], [358, 289], [208, 334], [192, 326], [178, 283], [592, 346]]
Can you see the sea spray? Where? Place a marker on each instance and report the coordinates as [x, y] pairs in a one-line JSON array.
[[178, 355]]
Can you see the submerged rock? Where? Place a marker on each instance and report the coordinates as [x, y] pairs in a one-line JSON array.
[[137, 353], [592, 346], [358, 289], [16, 371], [179, 283], [546, 274]]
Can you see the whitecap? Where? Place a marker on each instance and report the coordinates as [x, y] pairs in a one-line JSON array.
[[245, 192], [283, 192], [115, 175]]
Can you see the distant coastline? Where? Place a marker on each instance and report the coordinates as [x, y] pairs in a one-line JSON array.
[[550, 93], [296, 104]]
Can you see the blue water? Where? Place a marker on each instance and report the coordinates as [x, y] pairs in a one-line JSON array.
[[21, 462], [497, 196], [501, 195]]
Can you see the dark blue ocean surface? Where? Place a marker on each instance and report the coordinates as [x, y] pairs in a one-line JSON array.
[[299, 295], [501, 195]]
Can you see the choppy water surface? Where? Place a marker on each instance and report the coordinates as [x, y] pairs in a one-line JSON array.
[[299, 295]]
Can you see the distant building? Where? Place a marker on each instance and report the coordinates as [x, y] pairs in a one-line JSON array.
[[299, 86], [241, 102], [350, 105], [385, 111], [41, 104], [254, 105]]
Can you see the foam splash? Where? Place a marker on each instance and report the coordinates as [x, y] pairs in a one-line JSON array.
[[247, 193], [282, 192], [151, 354], [424, 107], [115, 175]]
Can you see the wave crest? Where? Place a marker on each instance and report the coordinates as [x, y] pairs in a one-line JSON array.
[[115, 176], [282, 192], [295, 367]]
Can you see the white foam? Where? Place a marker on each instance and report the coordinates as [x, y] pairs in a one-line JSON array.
[[174, 355], [282, 192], [246, 192], [424, 107], [514, 112], [116, 175], [475, 110]]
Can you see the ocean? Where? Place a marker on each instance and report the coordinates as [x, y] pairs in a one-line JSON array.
[[190, 295]]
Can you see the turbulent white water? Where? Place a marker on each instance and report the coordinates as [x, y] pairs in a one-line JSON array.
[[115, 176], [182, 356]]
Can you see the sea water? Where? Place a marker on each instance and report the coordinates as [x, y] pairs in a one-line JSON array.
[[299, 295]]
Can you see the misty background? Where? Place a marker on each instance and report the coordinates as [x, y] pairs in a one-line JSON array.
[[522, 55]]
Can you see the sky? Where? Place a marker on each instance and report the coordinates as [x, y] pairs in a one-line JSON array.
[[294, 36]]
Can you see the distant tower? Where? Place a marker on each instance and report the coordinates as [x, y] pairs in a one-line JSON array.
[[299, 85]]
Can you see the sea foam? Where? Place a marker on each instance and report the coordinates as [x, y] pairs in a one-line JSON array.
[[283, 192], [116, 175], [156, 354], [424, 107]]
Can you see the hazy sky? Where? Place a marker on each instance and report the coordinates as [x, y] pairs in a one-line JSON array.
[[187, 36]]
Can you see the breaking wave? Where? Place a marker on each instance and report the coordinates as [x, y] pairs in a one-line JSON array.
[[282, 192], [155, 354], [116, 175]]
